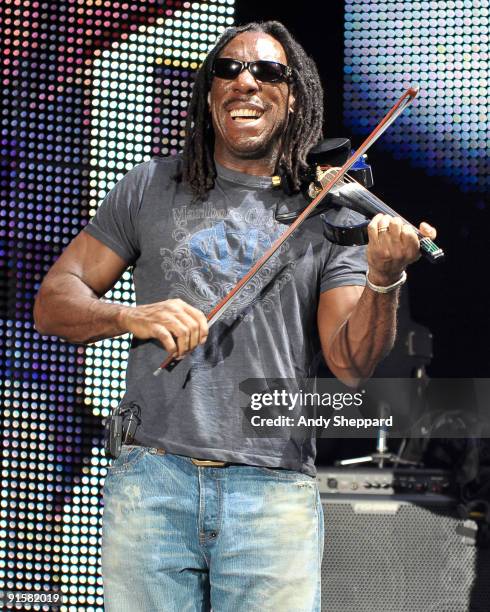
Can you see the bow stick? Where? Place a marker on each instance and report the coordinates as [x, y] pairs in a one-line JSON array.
[[169, 363]]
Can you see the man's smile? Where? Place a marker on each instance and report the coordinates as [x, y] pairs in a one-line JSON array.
[[244, 112], [244, 115]]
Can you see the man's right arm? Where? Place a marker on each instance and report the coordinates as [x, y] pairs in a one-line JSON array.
[[69, 303]]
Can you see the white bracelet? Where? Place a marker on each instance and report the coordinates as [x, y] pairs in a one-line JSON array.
[[389, 288]]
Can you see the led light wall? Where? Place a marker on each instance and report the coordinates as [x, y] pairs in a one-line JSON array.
[[89, 89], [443, 47]]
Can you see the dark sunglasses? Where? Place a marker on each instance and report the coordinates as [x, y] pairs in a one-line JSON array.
[[262, 70]]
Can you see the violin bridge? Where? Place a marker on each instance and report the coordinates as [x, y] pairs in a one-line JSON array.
[[324, 175]]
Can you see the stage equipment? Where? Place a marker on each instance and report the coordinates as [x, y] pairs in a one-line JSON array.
[[393, 543], [382, 456], [387, 481], [336, 175]]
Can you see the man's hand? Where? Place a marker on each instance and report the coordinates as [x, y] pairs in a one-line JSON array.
[[178, 326], [393, 245]]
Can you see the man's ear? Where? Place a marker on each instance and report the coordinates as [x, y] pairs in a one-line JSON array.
[[291, 102]]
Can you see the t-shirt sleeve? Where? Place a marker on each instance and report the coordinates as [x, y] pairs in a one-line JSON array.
[[345, 265], [115, 222]]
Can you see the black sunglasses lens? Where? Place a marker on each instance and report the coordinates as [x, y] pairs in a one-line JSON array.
[[269, 72], [226, 68]]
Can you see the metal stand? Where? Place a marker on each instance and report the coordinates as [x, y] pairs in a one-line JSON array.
[[382, 456]]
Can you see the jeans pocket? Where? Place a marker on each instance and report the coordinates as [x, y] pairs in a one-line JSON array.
[[127, 460]]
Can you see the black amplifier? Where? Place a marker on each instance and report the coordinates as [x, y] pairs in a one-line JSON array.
[[395, 542], [385, 481]]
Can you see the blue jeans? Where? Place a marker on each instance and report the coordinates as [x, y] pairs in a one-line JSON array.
[[181, 538]]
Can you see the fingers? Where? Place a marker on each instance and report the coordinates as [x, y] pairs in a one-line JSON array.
[[187, 324], [200, 319], [390, 238], [393, 244], [385, 233], [166, 339], [428, 230], [178, 326], [389, 233]]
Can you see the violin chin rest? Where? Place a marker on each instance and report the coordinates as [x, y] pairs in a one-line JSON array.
[[329, 152]]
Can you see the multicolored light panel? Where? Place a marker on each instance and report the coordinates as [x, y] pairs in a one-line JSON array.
[[89, 90], [444, 47]]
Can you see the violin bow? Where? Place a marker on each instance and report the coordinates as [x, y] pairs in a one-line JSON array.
[[403, 102]]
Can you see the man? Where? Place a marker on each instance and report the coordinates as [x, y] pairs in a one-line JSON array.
[[243, 531]]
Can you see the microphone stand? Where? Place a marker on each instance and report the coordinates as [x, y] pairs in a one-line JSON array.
[[382, 455]]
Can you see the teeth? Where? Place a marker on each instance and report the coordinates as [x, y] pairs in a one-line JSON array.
[[245, 112]]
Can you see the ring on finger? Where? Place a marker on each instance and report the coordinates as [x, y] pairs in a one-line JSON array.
[[382, 229]]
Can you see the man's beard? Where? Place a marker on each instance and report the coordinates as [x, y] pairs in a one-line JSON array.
[[269, 148]]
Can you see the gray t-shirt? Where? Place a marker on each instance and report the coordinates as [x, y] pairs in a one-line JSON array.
[[198, 252]]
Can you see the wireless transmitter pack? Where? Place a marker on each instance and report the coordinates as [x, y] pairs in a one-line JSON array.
[[120, 428]]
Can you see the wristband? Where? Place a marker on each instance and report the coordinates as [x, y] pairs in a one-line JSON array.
[[389, 288]]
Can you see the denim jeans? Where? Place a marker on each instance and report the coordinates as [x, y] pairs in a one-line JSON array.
[[181, 538]]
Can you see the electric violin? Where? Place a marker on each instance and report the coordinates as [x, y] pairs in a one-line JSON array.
[[351, 192]]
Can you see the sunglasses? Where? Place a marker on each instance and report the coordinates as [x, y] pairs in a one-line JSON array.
[[262, 70]]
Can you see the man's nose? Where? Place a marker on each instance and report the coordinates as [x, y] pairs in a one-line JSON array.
[[245, 82]]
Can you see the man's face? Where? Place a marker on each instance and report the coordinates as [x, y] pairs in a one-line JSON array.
[[238, 134]]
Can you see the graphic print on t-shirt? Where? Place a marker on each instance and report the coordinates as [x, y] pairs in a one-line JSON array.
[[216, 247], [233, 252]]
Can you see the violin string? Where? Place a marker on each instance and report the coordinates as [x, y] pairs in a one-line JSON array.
[[352, 185]]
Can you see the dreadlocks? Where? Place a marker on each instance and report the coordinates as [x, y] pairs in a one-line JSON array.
[[304, 128]]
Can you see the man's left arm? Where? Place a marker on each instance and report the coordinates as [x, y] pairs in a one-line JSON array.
[[357, 325]]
